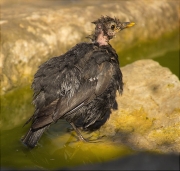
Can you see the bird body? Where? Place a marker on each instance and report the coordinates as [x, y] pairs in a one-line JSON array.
[[79, 86]]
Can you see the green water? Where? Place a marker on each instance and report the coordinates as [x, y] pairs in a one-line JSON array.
[[170, 60], [59, 148], [56, 149], [164, 50]]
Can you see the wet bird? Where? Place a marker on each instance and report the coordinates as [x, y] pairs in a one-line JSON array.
[[79, 86]]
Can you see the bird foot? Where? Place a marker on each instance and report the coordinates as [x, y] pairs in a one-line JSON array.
[[89, 140], [70, 129], [81, 138]]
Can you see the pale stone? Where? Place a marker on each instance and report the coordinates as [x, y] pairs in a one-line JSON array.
[[149, 109]]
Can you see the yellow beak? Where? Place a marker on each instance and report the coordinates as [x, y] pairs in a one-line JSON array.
[[130, 25]]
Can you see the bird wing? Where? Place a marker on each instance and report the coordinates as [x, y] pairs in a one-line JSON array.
[[94, 79], [57, 77], [88, 91]]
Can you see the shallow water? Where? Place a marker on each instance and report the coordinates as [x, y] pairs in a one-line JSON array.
[[56, 149], [164, 50], [59, 148], [170, 60]]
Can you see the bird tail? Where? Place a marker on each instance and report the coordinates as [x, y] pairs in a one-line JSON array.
[[32, 137]]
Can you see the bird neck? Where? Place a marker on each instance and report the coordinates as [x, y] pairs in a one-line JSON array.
[[102, 39]]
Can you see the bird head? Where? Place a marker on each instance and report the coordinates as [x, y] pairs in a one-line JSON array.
[[109, 26]]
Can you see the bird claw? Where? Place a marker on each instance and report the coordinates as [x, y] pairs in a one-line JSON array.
[[70, 129], [81, 138], [88, 140]]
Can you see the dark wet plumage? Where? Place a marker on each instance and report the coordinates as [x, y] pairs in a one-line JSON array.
[[79, 86]]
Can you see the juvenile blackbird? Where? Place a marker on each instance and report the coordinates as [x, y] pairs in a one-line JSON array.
[[79, 86]]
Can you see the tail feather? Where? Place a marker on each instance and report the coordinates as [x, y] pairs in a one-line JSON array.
[[32, 137]]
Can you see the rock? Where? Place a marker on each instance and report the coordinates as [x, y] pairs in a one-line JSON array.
[[32, 32], [149, 109]]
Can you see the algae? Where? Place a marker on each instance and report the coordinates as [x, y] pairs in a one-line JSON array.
[[16, 107], [128, 122], [138, 120]]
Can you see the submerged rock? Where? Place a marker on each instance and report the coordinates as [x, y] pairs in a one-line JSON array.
[[149, 109], [32, 32]]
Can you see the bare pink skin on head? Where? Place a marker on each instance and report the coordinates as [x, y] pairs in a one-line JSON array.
[[102, 39]]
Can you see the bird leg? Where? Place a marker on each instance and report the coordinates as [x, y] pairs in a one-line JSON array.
[[78, 133], [81, 138]]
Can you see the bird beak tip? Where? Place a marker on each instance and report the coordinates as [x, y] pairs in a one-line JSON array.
[[130, 24]]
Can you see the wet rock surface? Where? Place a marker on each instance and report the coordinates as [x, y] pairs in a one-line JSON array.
[[149, 109], [32, 32]]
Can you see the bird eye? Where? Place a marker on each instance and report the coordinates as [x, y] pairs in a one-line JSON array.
[[113, 27]]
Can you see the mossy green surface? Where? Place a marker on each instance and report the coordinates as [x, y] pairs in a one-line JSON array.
[[141, 132], [135, 121]]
